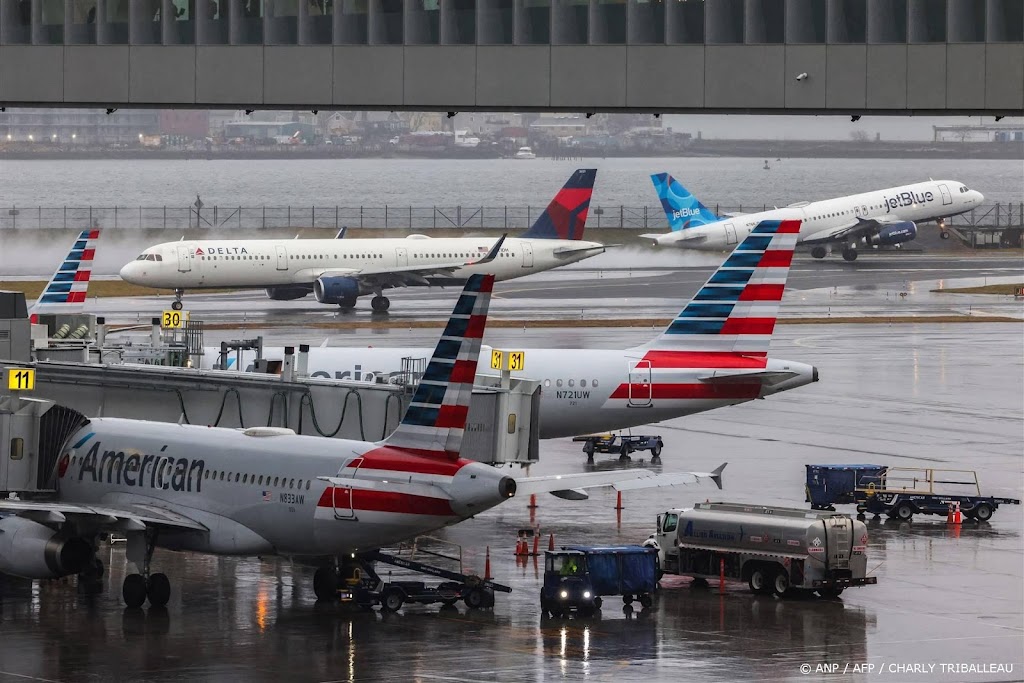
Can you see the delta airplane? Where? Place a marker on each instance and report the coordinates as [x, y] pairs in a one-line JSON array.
[[338, 271], [67, 289], [266, 490], [883, 218], [714, 354]]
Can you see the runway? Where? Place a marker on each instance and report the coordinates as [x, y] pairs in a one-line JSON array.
[[889, 285], [936, 395]]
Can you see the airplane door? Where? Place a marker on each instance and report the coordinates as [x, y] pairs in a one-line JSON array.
[[401, 256], [640, 395], [342, 500], [947, 198], [282, 257], [183, 261], [527, 255], [730, 233]]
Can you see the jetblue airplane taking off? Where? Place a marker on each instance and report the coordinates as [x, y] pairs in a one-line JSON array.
[[66, 290], [338, 271], [714, 354], [883, 218], [266, 490]]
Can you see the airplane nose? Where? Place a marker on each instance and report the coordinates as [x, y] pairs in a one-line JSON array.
[[978, 197], [127, 272]]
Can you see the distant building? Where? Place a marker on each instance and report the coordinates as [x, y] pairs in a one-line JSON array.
[[559, 126], [979, 133], [77, 126], [189, 123]]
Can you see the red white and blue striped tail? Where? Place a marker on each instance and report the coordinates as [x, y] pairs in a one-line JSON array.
[[735, 311], [435, 420], [66, 290]]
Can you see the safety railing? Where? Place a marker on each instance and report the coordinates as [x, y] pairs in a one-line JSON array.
[[226, 218]]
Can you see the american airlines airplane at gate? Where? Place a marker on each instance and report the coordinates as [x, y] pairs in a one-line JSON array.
[[267, 490], [714, 354], [886, 217], [339, 271]]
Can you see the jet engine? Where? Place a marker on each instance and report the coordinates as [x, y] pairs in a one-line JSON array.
[[286, 293], [35, 551], [894, 233], [336, 290]]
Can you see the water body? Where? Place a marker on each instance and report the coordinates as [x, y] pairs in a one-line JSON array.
[[726, 181]]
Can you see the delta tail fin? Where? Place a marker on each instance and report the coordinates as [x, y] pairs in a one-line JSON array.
[[735, 311], [682, 209], [566, 215], [434, 422], [66, 290]]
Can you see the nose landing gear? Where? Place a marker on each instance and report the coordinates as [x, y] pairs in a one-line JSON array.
[[944, 234], [178, 293]]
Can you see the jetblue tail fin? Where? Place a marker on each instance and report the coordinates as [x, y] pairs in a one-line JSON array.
[[66, 290], [566, 215], [436, 417], [682, 209], [735, 310]]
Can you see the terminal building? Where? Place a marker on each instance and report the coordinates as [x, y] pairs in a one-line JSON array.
[[827, 56]]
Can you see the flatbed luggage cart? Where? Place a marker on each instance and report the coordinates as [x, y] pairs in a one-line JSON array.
[[623, 444], [900, 492]]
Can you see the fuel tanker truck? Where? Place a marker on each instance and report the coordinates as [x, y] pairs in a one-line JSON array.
[[774, 549]]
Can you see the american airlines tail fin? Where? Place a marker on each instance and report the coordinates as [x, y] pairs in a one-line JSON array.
[[682, 209], [66, 290], [434, 422], [735, 311], [566, 215]]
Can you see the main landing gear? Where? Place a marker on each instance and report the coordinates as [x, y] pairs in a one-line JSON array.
[[819, 252], [380, 304], [850, 254], [137, 588], [176, 304]]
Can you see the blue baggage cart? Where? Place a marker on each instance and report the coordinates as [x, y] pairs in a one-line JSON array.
[[576, 577], [828, 485]]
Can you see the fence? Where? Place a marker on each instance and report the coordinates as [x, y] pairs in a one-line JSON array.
[[1002, 215]]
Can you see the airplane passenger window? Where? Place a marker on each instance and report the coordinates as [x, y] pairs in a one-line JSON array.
[[206, 474], [275, 480], [236, 477], [572, 383], [547, 383], [291, 484], [261, 479], [594, 384], [307, 484], [245, 478], [558, 383], [583, 383]]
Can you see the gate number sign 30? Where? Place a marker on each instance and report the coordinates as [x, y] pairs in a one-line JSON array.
[[172, 320]]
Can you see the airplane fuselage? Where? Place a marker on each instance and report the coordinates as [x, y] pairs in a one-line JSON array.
[[263, 263], [260, 494], [587, 390], [919, 202]]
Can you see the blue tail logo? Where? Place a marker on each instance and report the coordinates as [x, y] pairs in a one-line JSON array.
[[682, 209]]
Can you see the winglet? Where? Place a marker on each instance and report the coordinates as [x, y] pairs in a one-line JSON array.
[[716, 475], [492, 254]]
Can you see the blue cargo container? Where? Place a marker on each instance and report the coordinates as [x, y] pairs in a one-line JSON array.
[[831, 484], [576, 577]]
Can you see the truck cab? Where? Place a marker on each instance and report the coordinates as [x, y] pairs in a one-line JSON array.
[[567, 585]]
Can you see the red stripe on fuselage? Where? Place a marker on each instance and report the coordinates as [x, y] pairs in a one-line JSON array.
[[727, 391], [705, 359], [411, 460], [748, 326], [762, 293], [343, 498], [776, 258]]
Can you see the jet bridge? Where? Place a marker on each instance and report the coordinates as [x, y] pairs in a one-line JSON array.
[[501, 426]]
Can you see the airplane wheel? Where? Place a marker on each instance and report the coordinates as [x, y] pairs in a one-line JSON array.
[[380, 304], [158, 590], [850, 254], [133, 590], [944, 234], [177, 305], [819, 252], [325, 583]]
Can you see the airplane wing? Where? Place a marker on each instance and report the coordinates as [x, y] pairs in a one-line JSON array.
[[861, 227], [126, 517], [573, 486], [401, 276]]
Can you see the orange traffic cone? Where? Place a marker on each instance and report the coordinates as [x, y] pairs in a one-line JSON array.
[[618, 500], [551, 542], [536, 545], [957, 519], [487, 565], [949, 515]]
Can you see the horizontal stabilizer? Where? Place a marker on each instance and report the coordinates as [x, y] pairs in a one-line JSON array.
[[740, 377], [390, 485]]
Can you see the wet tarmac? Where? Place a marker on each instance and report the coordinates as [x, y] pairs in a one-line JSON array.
[[948, 606]]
